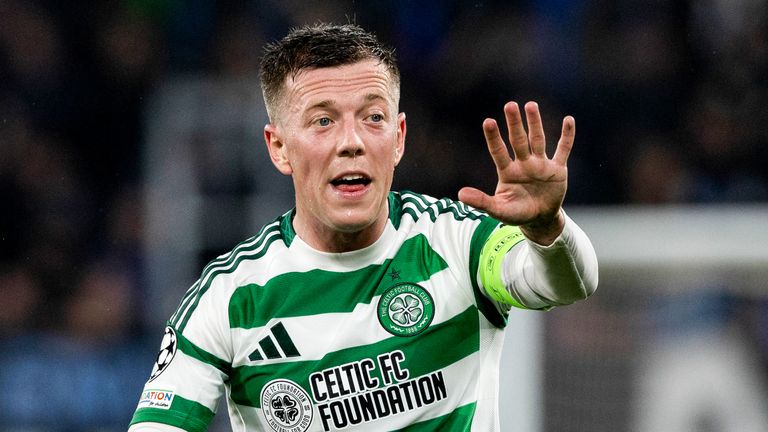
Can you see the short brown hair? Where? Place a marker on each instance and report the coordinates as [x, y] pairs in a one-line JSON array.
[[318, 46]]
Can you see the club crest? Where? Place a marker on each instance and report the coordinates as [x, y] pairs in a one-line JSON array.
[[406, 309], [286, 406]]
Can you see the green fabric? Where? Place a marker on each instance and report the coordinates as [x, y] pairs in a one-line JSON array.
[[460, 420], [439, 346], [185, 414], [192, 350], [486, 305], [288, 295]]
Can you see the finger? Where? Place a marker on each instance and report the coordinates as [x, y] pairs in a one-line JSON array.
[[517, 136], [565, 144], [496, 146], [535, 129], [475, 198]]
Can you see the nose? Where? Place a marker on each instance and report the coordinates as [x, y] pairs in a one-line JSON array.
[[351, 143]]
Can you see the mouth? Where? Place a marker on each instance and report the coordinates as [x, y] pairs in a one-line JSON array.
[[351, 182]]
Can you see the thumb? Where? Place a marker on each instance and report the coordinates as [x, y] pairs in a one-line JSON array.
[[475, 198]]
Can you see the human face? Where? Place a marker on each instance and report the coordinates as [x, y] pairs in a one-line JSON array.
[[339, 135]]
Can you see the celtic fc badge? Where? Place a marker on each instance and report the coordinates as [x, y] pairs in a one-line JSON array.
[[406, 309], [286, 406]]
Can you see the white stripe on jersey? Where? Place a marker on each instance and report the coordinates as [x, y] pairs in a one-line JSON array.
[[180, 315]]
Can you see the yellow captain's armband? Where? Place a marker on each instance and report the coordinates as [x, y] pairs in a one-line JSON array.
[[491, 260]]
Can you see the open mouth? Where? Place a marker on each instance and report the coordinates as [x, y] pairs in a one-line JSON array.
[[351, 180], [351, 183]]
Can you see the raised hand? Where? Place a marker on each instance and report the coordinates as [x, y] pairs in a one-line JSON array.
[[531, 186]]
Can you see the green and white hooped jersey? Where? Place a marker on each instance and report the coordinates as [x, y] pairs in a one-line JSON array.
[[395, 335]]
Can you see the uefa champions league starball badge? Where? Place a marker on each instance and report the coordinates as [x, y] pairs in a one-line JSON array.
[[166, 354]]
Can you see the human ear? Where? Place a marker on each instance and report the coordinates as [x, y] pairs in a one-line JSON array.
[[400, 145], [276, 149]]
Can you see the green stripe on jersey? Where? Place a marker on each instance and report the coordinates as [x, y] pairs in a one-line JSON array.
[[321, 291], [439, 346], [393, 199], [227, 264], [416, 205], [223, 260], [198, 353], [257, 246], [183, 413], [486, 305], [460, 420]]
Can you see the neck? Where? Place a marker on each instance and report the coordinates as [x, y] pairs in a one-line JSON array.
[[337, 240]]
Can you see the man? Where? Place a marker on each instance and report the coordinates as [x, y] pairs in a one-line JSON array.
[[362, 308]]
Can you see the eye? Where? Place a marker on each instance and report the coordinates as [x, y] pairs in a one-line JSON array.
[[376, 118], [323, 121]]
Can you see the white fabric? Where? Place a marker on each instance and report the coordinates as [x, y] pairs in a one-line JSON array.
[[562, 273], [153, 427], [540, 277]]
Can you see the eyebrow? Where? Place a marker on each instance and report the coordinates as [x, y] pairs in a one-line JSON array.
[[322, 104], [330, 103], [374, 96]]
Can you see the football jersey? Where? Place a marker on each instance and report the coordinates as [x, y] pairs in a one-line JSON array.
[[395, 336]]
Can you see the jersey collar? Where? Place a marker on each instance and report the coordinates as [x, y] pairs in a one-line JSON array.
[[286, 220]]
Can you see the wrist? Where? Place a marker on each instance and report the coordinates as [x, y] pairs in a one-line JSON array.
[[544, 231]]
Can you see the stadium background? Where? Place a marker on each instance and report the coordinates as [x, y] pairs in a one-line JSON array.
[[131, 153]]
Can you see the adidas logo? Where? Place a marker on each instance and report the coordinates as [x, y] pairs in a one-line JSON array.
[[269, 348]]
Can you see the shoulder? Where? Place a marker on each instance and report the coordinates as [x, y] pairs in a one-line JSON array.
[[254, 250], [418, 206], [221, 277]]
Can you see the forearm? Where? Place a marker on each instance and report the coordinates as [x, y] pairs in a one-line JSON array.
[[561, 273], [545, 232]]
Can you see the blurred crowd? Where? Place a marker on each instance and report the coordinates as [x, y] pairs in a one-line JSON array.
[[669, 100]]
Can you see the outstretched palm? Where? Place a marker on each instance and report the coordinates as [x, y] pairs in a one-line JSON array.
[[531, 186]]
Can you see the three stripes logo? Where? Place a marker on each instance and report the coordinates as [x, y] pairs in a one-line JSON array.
[[268, 346]]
